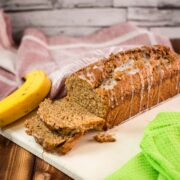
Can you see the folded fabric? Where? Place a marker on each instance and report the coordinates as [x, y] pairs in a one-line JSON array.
[[160, 156], [62, 55], [8, 80]]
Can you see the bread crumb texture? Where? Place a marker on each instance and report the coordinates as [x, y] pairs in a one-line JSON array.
[[104, 137]]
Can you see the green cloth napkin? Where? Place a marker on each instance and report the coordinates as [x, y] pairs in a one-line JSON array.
[[160, 156]]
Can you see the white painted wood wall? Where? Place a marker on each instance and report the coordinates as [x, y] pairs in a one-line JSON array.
[[82, 17]]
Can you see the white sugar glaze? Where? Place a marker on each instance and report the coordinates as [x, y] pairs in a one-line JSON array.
[[108, 84], [161, 73], [113, 101], [90, 75], [99, 67], [82, 76], [177, 84], [132, 96], [125, 66], [133, 71], [142, 90], [149, 70], [122, 92]]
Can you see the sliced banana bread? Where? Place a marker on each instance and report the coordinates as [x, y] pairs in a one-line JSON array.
[[50, 140], [66, 116], [57, 125]]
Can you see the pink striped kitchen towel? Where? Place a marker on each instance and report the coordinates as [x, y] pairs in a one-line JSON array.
[[8, 55], [62, 55]]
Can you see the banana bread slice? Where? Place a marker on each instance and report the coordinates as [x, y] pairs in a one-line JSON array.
[[50, 140], [126, 83], [59, 124], [67, 117]]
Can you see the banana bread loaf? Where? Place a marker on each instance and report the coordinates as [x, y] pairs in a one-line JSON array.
[[126, 83], [106, 93]]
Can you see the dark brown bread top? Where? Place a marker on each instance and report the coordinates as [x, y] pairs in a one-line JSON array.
[[129, 72], [67, 116], [129, 62]]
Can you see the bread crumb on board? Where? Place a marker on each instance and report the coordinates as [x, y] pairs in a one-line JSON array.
[[104, 137]]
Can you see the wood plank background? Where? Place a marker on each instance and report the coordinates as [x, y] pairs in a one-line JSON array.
[[18, 164], [82, 17]]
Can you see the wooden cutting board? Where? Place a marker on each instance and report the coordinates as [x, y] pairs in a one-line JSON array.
[[90, 160]]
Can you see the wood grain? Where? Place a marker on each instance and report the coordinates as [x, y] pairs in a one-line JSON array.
[[128, 3], [18, 164], [44, 4], [14, 5], [49, 4], [147, 3], [15, 162], [68, 17], [84, 3], [44, 171], [150, 17]]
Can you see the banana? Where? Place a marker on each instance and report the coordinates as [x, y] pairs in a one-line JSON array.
[[26, 98]]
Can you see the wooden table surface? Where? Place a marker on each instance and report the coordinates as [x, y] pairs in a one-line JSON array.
[[18, 164]]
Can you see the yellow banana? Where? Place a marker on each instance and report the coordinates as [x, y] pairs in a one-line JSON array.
[[26, 98]]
